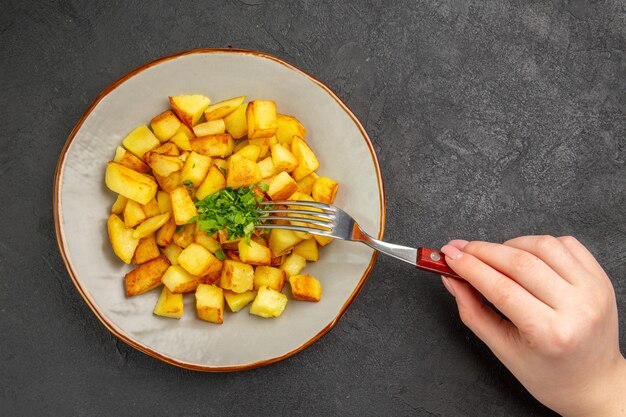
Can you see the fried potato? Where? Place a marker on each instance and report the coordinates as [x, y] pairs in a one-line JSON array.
[[305, 288], [254, 253], [237, 277], [184, 235], [268, 303], [140, 141], [242, 172], [215, 146], [179, 281], [122, 240], [282, 241], [213, 182], [210, 303], [189, 108], [196, 168], [165, 125], [287, 128], [172, 252], [196, 259], [119, 205], [269, 277], [165, 235], [212, 127], [324, 190], [146, 251], [293, 264], [307, 161], [182, 205], [151, 225], [146, 276], [282, 187], [131, 184], [122, 156], [133, 214], [236, 122], [223, 108], [307, 249], [261, 117], [238, 301], [163, 165], [283, 158], [169, 305]]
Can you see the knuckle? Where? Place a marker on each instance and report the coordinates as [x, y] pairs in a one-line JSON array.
[[568, 240], [503, 290], [545, 242], [474, 247], [524, 261], [563, 338]]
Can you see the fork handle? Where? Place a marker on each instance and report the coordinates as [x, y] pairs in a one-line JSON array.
[[434, 261]]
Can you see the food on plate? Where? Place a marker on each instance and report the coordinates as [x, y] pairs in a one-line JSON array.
[[187, 211]]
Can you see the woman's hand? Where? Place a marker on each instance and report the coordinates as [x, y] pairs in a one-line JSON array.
[[562, 339]]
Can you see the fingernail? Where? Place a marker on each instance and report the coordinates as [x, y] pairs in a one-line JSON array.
[[446, 283], [458, 243], [451, 252]]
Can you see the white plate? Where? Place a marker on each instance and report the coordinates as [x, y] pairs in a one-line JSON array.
[[82, 203]]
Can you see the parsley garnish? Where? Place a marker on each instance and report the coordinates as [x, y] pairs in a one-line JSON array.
[[263, 186], [180, 229], [236, 211], [219, 254], [189, 185]]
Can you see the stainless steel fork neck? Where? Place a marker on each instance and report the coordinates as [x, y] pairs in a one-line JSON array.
[[404, 253]]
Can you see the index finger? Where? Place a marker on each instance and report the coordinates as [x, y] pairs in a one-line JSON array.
[[515, 302]]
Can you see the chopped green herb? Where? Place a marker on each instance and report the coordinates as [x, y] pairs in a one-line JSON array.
[[180, 229], [235, 211], [219, 254], [223, 170], [264, 187], [189, 185]]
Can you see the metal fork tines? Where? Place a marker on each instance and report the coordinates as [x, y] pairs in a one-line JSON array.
[[326, 220]]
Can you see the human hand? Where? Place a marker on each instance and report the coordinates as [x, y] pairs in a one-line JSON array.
[[562, 340]]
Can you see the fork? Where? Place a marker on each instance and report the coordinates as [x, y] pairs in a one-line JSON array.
[[327, 220]]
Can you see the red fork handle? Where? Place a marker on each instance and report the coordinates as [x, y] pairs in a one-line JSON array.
[[434, 261]]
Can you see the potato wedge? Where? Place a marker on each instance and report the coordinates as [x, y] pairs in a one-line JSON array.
[[223, 108], [189, 108], [131, 184], [250, 152], [184, 235], [181, 140], [164, 202], [305, 185], [267, 167], [171, 182], [168, 149], [122, 240], [151, 208], [146, 276]]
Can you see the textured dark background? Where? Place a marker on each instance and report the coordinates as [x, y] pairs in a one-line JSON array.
[[491, 119]]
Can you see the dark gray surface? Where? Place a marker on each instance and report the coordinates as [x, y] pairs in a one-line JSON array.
[[490, 119]]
